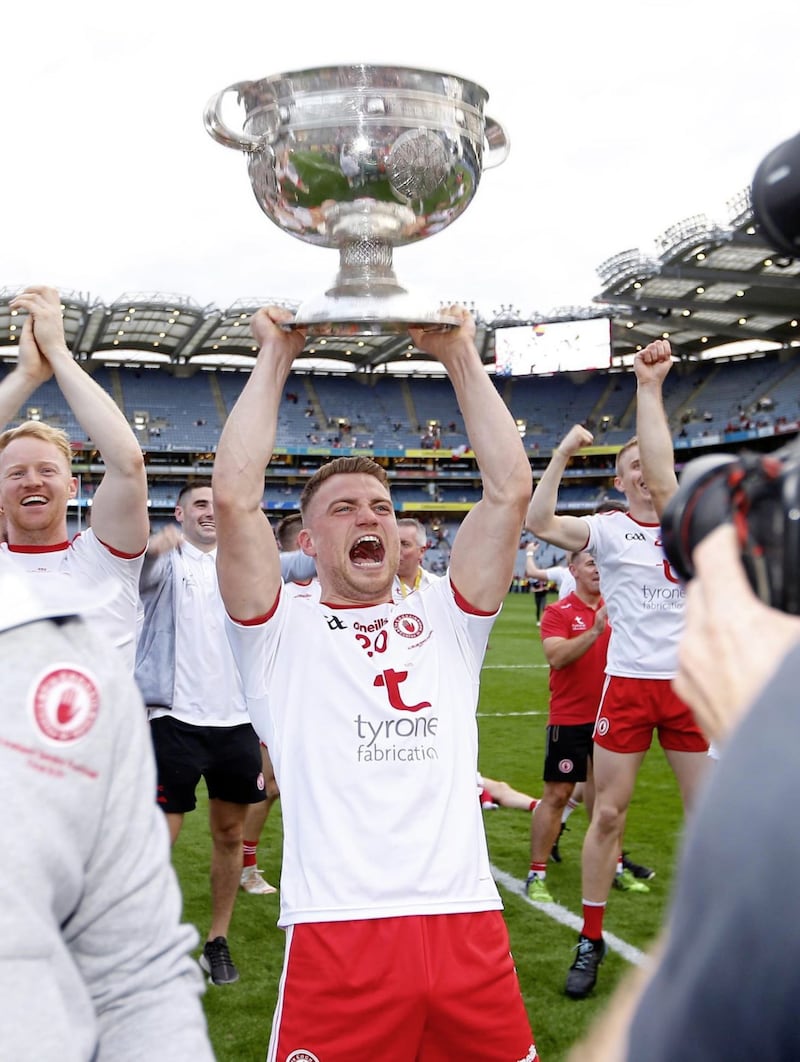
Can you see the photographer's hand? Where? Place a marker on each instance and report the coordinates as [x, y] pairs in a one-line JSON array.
[[732, 643]]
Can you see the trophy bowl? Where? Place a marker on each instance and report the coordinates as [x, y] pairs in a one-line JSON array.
[[362, 159]]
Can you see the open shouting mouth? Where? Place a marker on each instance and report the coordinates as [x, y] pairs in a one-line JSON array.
[[368, 552]]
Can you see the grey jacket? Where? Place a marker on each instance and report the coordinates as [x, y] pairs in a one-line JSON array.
[[155, 652], [94, 963]]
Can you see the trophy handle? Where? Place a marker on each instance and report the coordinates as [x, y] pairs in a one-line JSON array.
[[217, 128], [499, 144]]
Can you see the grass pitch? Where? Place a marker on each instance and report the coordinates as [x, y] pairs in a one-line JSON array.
[[512, 718]]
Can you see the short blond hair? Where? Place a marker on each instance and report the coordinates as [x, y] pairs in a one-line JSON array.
[[38, 429], [623, 450]]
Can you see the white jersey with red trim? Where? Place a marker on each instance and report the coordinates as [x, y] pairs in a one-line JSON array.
[[645, 598], [89, 562], [369, 714], [423, 578]]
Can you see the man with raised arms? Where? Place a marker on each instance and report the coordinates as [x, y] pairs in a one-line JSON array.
[[396, 947], [36, 481], [645, 603]]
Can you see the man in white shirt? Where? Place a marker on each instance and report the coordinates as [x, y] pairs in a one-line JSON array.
[[645, 607], [198, 715], [411, 575], [36, 482], [394, 930]]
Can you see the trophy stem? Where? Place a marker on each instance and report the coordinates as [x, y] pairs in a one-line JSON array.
[[365, 269]]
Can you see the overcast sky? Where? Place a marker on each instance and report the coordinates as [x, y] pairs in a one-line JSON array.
[[623, 118]]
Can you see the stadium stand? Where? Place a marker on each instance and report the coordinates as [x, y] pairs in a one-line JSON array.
[[176, 368]]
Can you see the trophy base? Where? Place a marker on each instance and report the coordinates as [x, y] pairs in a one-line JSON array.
[[368, 315]]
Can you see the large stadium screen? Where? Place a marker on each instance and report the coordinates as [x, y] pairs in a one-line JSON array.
[[561, 346]]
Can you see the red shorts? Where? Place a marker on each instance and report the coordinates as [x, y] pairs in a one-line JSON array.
[[430, 988], [632, 708]]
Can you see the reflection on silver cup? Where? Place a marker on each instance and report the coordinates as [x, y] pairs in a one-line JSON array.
[[362, 159]]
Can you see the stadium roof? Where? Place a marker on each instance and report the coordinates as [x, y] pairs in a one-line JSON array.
[[706, 285]]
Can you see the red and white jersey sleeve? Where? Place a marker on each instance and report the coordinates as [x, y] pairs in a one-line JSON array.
[[370, 717], [644, 596]]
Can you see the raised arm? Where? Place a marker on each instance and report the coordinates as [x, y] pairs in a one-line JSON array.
[[541, 575], [568, 532], [651, 366], [485, 548], [248, 565], [31, 370], [119, 506]]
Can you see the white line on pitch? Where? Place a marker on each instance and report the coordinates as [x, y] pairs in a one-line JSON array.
[[505, 715], [567, 918], [515, 667]]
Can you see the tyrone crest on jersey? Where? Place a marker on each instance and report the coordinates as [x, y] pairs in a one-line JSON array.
[[64, 702], [408, 625]]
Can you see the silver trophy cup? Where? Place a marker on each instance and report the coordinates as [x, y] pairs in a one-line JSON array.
[[363, 159]]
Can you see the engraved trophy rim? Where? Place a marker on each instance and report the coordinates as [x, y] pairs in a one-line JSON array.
[[363, 157]]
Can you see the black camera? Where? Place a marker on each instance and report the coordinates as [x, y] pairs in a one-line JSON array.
[[775, 197], [760, 495]]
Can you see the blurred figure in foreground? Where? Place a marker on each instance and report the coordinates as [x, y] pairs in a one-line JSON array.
[[726, 982], [95, 962]]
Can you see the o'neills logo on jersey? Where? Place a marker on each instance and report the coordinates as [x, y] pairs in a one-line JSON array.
[[64, 703], [603, 726], [408, 625]]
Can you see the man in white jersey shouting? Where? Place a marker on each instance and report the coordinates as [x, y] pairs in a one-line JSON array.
[[396, 948], [645, 608]]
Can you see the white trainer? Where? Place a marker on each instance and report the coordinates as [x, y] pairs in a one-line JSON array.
[[253, 881]]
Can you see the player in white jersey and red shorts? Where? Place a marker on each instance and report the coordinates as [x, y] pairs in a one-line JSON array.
[[396, 947], [645, 608]]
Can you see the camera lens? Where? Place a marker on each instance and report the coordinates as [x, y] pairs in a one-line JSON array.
[[701, 503], [775, 195]]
